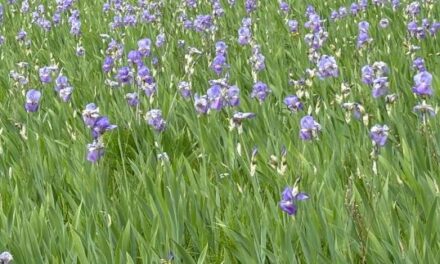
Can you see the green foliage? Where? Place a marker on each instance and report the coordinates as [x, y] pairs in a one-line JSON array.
[[203, 205]]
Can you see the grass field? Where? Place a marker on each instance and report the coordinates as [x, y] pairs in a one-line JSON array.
[[200, 183]]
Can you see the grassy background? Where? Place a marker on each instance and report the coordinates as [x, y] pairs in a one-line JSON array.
[[203, 205]]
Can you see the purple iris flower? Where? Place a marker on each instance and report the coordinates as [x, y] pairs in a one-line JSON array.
[[191, 3], [413, 8], [217, 9], [201, 103], [327, 67], [124, 75], [395, 4], [260, 91], [188, 24], [342, 12], [130, 20], [160, 40], [288, 199], [75, 27], [155, 119], [363, 37], [284, 7], [185, 89], [367, 74], [246, 22], [293, 103], [257, 59], [144, 47], [423, 84], [354, 8], [419, 64], [66, 93], [21, 36], [90, 114], [244, 36], [203, 23], [143, 73], [380, 87], [309, 128], [101, 125], [61, 82], [106, 7], [148, 85], [63, 88], [132, 99], [316, 40], [215, 96], [364, 26], [379, 135], [155, 61], [380, 69], [412, 28], [233, 96], [218, 64], [107, 66], [315, 23], [135, 57], [95, 151], [250, 5], [117, 22], [32, 100], [293, 26], [146, 81], [334, 15], [435, 27], [425, 23], [221, 48], [45, 74], [310, 10]]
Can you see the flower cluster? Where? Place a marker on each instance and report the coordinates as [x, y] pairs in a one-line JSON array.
[[364, 36], [244, 32], [327, 67], [219, 63], [317, 36], [257, 60], [376, 75], [423, 88], [98, 125], [63, 88]]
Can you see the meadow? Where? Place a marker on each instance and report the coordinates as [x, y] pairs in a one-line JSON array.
[[221, 131]]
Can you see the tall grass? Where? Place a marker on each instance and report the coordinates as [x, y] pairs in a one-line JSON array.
[[203, 205]]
